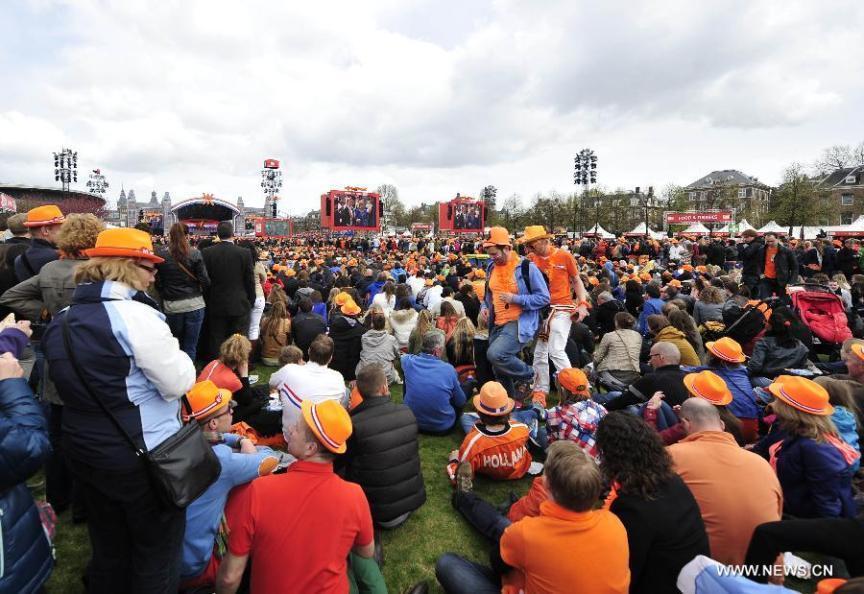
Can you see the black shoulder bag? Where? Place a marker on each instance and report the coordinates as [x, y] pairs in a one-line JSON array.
[[182, 467]]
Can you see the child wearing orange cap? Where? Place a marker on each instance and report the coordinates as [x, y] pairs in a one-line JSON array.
[[577, 417]]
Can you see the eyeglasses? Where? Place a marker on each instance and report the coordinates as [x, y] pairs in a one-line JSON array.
[[654, 355], [150, 269]]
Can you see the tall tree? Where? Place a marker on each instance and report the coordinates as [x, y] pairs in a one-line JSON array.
[[796, 201], [394, 209], [840, 156], [488, 195], [511, 212]]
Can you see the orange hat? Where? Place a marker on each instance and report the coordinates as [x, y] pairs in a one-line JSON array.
[[123, 243], [493, 400], [593, 281], [498, 236], [674, 283], [858, 350], [43, 216], [802, 394], [534, 233], [349, 308], [205, 398], [727, 349], [702, 269], [829, 585], [330, 423], [645, 277], [687, 267], [708, 385], [574, 381], [289, 272], [479, 273]]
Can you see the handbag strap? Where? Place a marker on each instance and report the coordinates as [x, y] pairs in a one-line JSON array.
[[187, 271], [67, 342]]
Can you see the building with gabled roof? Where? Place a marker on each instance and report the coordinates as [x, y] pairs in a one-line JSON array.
[[730, 189], [845, 189]]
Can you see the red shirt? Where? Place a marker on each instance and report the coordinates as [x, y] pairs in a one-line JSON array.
[[299, 527]]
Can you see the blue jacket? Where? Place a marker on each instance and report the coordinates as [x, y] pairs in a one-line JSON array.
[[743, 403], [649, 308], [816, 480], [432, 391], [126, 351], [37, 255], [25, 553], [847, 427], [610, 270], [531, 303]]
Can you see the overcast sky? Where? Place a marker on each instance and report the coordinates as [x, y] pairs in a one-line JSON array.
[[434, 96]]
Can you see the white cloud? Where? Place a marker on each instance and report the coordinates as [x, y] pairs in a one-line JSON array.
[[437, 97]]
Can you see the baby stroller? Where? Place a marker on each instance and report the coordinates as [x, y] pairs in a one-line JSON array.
[[824, 314]]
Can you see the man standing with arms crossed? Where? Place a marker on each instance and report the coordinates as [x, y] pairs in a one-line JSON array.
[[516, 293], [562, 274]]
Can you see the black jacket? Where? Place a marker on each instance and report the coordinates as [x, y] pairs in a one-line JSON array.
[[383, 457], [31, 261], [173, 283], [664, 532], [9, 251], [605, 316], [751, 264], [305, 327], [785, 264], [346, 334], [232, 285], [845, 261], [668, 379]]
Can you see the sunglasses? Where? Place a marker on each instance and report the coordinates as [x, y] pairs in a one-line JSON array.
[[150, 269]]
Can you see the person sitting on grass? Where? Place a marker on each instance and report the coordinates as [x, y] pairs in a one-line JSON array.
[[275, 333], [290, 355], [527, 556], [379, 346], [240, 460], [496, 445], [432, 389], [577, 417]]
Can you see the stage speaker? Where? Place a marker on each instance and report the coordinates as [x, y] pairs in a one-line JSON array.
[[449, 212], [328, 205]]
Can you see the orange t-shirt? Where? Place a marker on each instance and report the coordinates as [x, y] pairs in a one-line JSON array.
[[559, 267], [770, 268], [503, 280], [597, 553], [499, 455]]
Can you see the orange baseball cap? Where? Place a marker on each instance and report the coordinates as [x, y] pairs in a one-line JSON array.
[[123, 243], [726, 349], [329, 422], [498, 236], [574, 380], [205, 398], [710, 386], [493, 400], [802, 394], [43, 216]]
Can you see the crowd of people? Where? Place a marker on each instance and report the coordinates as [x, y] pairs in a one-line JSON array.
[[659, 435]]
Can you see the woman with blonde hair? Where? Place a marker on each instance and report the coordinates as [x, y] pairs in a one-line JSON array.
[[275, 333], [812, 463], [424, 325], [112, 346]]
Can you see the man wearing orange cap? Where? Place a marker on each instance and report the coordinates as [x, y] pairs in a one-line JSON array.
[[559, 267], [516, 294], [240, 462], [301, 526], [44, 223]]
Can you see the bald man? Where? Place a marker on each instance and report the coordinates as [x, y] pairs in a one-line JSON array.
[[667, 377]]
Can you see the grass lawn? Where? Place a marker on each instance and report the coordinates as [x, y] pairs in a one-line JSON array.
[[410, 551]]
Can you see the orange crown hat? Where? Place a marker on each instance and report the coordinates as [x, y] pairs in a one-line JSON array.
[[123, 243], [43, 216], [329, 422], [493, 400], [727, 349], [498, 236], [534, 233], [206, 398], [574, 381], [802, 394], [710, 386], [349, 308]]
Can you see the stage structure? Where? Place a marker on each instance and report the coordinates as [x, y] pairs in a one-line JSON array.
[[351, 209], [462, 214]]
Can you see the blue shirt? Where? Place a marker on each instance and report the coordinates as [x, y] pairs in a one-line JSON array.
[[649, 308], [432, 391], [205, 513]]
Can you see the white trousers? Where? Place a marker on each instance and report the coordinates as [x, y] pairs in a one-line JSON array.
[[555, 348], [255, 318]]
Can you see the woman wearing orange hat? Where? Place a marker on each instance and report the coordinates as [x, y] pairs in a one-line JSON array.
[[121, 352], [347, 334], [813, 464]]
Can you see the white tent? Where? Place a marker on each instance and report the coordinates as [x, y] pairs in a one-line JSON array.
[[598, 230], [743, 226], [773, 227], [695, 229], [724, 230], [639, 231], [853, 229]]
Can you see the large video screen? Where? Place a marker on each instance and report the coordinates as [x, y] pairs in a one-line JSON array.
[[277, 227], [351, 209], [468, 215]]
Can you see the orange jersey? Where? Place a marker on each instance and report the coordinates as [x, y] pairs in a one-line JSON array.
[[559, 267], [499, 454], [503, 280]]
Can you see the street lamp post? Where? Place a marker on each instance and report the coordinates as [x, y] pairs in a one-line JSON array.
[[646, 200], [97, 184], [585, 174], [66, 167]]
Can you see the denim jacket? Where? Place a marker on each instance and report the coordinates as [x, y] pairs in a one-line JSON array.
[[531, 303]]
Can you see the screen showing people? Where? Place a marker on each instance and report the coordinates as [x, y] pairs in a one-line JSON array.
[[354, 210], [468, 216]]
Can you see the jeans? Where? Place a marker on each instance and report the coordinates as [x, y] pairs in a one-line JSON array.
[[529, 416], [553, 348], [186, 327], [769, 287], [458, 575], [136, 541], [666, 417], [503, 355], [482, 516]]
